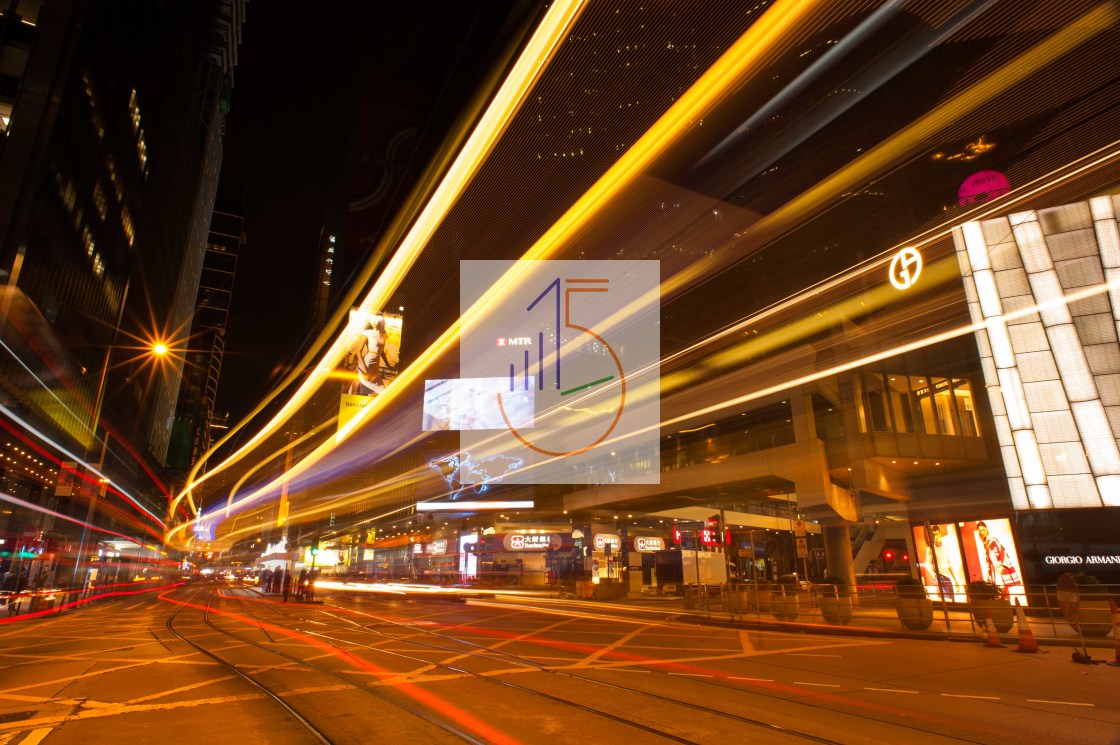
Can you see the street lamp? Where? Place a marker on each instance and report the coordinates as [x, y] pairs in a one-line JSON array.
[[156, 350], [98, 402]]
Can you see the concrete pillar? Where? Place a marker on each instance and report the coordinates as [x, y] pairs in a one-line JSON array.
[[801, 409], [838, 552], [854, 434]]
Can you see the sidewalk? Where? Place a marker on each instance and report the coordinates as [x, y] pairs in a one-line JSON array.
[[869, 620], [881, 622], [954, 625]]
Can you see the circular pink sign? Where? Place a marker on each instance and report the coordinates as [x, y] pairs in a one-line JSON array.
[[982, 186]]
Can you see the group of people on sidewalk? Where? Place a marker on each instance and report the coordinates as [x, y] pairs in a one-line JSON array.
[[281, 582]]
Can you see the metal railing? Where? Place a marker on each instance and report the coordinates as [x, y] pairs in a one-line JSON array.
[[877, 606]]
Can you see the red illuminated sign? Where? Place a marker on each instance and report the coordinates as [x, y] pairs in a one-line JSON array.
[[707, 537]]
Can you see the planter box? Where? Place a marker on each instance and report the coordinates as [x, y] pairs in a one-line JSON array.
[[785, 605], [837, 610], [915, 614]]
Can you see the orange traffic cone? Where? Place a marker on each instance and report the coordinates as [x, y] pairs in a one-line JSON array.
[[993, 637], [1115, 631], [1026, 636]]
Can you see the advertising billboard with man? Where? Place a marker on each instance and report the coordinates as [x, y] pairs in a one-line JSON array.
[[371, 360]]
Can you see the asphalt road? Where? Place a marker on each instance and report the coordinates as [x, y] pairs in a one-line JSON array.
[[219, 664]]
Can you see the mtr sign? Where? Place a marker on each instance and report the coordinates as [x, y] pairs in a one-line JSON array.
[[647, 544], [602, 540], [530, 541]]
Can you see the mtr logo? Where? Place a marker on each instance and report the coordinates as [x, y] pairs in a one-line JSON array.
[[514, 341]]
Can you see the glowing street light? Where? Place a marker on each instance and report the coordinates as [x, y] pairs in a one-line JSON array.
[[154, 350]]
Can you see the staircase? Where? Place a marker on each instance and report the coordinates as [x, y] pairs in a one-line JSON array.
[[874, 536]]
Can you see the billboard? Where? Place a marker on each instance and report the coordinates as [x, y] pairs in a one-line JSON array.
[[471, 403], [991, 555], [942, 570], [371, 360]]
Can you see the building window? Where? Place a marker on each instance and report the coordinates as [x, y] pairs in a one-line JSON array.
[[917, 404]]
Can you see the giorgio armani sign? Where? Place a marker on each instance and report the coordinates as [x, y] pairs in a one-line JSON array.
[[1078, 560]]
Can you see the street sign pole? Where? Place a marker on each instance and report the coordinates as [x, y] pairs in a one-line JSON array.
[[311, 579], [727, 546], [800, 540], [936, 576]]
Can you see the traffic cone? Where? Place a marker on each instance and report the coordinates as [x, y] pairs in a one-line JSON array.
[[1027, 642], [1115, 631], [993, 637]]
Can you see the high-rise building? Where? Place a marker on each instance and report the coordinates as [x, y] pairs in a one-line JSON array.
[[194, 143], [194, 414], [112, 117]]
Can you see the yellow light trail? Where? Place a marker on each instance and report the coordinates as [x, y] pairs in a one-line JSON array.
[[262, 462], [747, 54], [941, 271], [971, 328], [736, 64], [730, 69], [916, 135], [551, 32], [740, 58]]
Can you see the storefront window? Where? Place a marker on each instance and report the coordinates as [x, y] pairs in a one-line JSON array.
[[899, 394], [918, 404], [922, 406], [877, 403], [962, 394], [946, 411]]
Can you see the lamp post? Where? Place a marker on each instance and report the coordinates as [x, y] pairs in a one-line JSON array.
[[159, 349], [94, 420]]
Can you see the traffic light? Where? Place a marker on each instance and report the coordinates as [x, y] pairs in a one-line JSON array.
[[714, 532], [315, 547], [888, 555]]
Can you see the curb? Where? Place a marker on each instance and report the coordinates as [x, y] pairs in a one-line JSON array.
[[1010, 640]]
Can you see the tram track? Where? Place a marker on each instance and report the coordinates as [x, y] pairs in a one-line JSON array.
[[483, 652], [627, 722], [524, 661], [316, 731], [256, 684]]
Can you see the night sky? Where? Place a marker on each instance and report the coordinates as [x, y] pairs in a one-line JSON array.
[[301, 77]]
